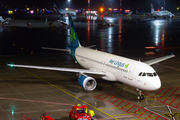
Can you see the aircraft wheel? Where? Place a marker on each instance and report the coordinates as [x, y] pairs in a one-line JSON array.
[[142, 97], [70, 117], [139, 97]]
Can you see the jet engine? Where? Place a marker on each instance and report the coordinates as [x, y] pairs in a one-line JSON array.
[[86, 82]]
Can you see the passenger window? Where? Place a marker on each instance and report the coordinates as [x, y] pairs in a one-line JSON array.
[[140, 73], [155, 74], [150, 74], [144, 74]]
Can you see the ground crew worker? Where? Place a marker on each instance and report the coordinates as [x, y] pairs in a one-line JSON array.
[[91, 112], [78, 104], [86, 110]]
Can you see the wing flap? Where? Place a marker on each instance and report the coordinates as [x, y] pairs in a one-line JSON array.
[[151, 62], [61, 69]]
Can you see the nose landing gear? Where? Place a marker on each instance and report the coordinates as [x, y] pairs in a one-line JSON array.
[[140, 96]]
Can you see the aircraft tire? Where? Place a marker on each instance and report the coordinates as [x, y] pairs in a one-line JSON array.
[[70, 117], [139, 97], [142, 97]]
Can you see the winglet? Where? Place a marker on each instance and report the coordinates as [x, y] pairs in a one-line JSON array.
[[6, 64], [172, 54], [10, 65]]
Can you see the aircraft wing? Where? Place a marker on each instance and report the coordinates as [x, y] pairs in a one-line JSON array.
[[151, 62], [61, 69], [49, 10]]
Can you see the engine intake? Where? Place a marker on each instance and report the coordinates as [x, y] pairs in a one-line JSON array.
[[86, 82]]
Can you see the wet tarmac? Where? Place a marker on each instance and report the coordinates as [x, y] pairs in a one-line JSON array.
[[33, 92]]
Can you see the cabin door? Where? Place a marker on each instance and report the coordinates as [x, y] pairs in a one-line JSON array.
[[130, 73]]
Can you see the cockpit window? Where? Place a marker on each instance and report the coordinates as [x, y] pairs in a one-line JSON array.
[[144, 74], [140, 73], [150, 74], [155, 74]]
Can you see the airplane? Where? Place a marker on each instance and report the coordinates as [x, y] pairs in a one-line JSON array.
[[109, 67], [163, 13], [129, 14], [4, 21], [62, 11]]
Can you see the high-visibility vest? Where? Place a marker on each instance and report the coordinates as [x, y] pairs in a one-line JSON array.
[[78, 104], [86, 111]]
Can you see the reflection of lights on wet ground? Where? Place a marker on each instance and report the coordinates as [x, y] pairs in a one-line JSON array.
[[120, 32], [1, 29], [68, 41], [110, 33], [110, 19], [102, 41], [157, 24], [157, 38], [110, 40], [88, 32], [150, 53], [91, 17]]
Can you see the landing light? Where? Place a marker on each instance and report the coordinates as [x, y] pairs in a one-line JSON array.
[[11, 65]]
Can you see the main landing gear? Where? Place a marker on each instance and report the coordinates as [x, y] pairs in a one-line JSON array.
[[140, 96]]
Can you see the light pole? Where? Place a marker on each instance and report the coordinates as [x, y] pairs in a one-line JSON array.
[[158, 4], [120, 6], [69, 2], [88, 5], [111, 3]]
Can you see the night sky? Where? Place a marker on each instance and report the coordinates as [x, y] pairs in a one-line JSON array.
[[95, 4]]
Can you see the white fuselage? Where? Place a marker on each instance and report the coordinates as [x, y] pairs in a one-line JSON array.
[[118, 68], [163, 13], [4, 21], [63, 11], [1, 19]]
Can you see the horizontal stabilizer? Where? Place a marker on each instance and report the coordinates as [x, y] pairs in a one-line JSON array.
[[67, 50]]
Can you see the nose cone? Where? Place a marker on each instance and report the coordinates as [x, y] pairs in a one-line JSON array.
[[157, 84]]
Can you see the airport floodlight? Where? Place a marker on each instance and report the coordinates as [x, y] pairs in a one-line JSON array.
[[101, 9], [69, 2]]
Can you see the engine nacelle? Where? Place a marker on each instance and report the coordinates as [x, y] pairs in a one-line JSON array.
[[86, 82]]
